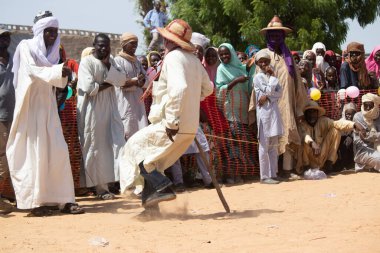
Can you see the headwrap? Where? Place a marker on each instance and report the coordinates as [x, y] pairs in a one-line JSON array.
[[371, 64], [284, 49], [318, 45], [124, 40], [294, 53], [45, 57], [251, 50], [371, 115], [361, 69], [307, 53], [309, 74], [228, 72], [86, 52], [349, 106], [199, 39], [211, 69], [261, 54], [148, 57]]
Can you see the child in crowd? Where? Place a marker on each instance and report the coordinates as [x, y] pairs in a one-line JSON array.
[[346, 150], [332, 82], [269, 122]]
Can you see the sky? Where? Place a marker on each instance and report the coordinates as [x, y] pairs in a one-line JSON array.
[[118, 16]]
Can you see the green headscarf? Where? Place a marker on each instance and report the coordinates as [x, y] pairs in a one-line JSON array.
[[228, 72]]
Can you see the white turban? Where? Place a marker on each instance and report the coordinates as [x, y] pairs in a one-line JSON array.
[[45, 57], [318, 45], [199, 39], [261, 54]]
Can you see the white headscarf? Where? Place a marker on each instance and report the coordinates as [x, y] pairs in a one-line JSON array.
[[44, 57], [318, 45], [261, 54], [199, 39]]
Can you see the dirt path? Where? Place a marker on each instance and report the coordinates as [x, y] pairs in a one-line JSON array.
[[340, 214]]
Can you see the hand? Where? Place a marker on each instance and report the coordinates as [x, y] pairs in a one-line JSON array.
[[300, 119], [66, 71], [171, 132], [106, 61], [141, 80], [316, 148], [269, 70], [348, 141], [262, 100], [241, 79], [104, 86]]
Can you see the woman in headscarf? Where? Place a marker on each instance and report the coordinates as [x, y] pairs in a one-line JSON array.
[[234, 91], [296, 57], [317, 77], [373, 62]]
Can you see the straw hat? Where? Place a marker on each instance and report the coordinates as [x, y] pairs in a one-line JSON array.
[[179, 32], [276, 24], [314, 105]]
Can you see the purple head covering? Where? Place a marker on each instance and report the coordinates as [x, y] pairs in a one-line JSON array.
[[277, 37]]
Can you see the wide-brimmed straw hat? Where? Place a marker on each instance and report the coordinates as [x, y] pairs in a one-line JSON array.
[[276, 24], [314, 105], [179, 32]]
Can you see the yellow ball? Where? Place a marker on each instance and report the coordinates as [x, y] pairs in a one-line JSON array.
[[378, 91], [315, 94]]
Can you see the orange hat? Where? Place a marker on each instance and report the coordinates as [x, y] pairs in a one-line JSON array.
[[179, 32]]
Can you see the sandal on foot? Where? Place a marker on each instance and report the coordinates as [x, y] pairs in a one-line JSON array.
[[72, 208], [41, 211], [106, 196]]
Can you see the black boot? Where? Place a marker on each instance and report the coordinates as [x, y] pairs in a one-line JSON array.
[[156, 179], [156, 188]]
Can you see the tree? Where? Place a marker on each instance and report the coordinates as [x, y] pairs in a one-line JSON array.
[[240, 21]]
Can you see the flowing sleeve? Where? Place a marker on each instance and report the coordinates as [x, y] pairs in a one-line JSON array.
[[46, 75], [115, 75], [221, 81], [86, 80]]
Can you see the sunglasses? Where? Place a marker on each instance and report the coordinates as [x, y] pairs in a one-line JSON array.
[[355, 53]]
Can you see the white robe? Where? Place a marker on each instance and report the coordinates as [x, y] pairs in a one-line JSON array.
[[101, 132], [176, 99], [131, 108], [37, 153]]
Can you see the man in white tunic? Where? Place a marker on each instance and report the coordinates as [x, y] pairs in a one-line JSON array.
[[37, 152], [174, 116], [131, 107], [99, 124]]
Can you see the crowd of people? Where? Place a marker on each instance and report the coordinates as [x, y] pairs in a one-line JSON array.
[[137, 115]]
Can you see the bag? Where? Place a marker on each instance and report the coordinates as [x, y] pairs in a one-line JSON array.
[[314, 174]]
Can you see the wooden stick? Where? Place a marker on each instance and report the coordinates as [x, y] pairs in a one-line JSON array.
[[213, 177]]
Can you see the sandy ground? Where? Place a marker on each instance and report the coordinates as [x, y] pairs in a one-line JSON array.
[[339, 214]]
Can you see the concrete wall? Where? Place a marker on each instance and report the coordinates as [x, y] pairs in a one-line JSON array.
[[74, 41]]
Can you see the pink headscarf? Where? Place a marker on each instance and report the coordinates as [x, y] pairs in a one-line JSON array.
[[210, 69], [370, 63]]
